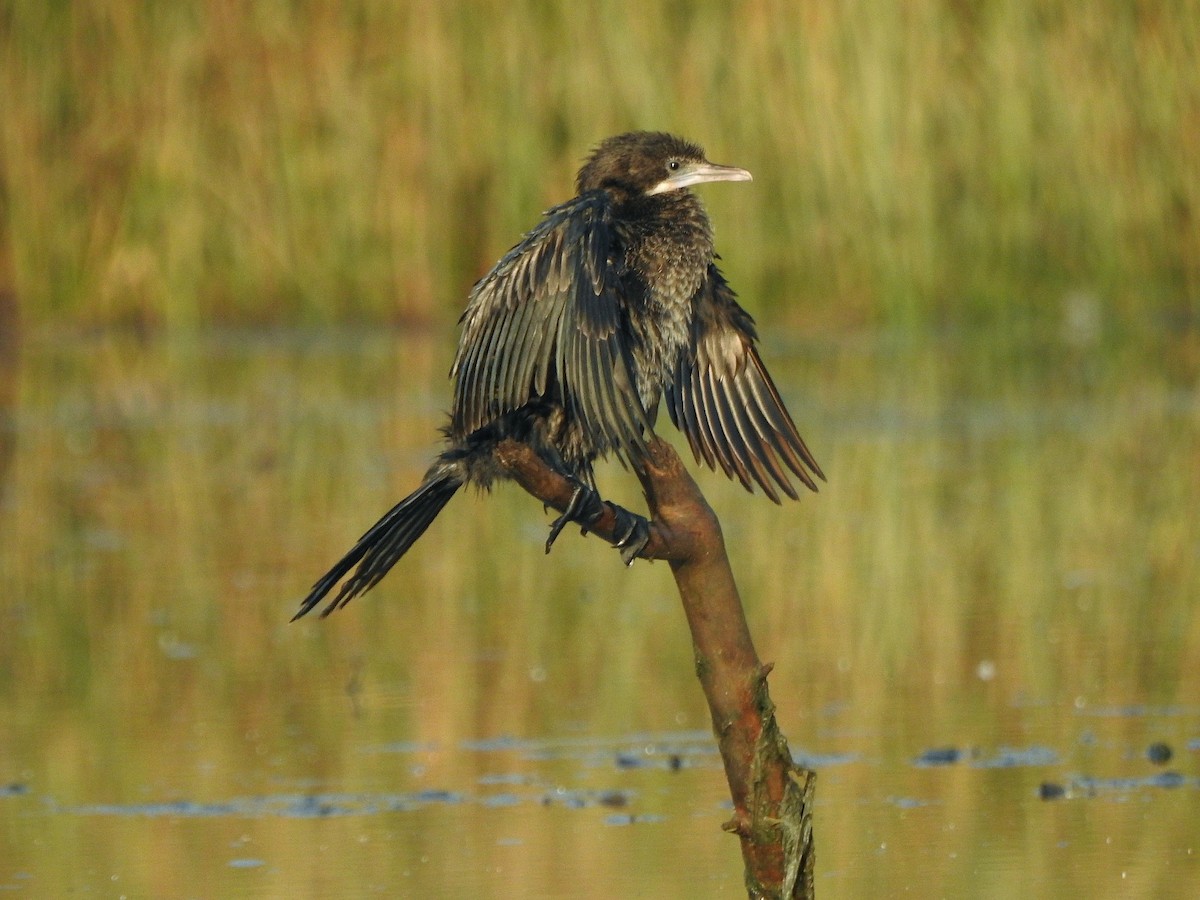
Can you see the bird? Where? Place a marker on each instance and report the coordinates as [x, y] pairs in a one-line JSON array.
[[609, 306]]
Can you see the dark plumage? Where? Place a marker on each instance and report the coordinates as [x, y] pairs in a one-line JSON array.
[[570, 342]]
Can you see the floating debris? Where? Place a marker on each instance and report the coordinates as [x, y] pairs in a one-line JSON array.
[[658, 758], [1016, 757], [1004, 757], [630, 819], [583, 799], [1050, 790], [1086, 786], [616, 799], [939, 756], [1159, 753], [300, 806]]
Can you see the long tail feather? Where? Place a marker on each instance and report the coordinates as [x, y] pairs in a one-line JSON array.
[[387, 540]]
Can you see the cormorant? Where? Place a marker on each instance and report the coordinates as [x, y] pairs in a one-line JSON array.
[[611, 303]]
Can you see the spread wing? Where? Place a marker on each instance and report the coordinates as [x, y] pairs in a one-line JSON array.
[[724, 401], [545, 322]]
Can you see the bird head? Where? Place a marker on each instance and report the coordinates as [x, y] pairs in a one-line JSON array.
[[650, 163]]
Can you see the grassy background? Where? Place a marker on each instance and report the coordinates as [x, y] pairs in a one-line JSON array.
[[1029, 504], [174, 165]]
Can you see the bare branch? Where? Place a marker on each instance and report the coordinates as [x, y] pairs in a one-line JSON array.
[[772, 797]]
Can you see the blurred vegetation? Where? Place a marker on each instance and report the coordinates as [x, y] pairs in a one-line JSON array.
[[177, 164]]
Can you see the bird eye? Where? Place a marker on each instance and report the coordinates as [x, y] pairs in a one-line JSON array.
[[673, 165]]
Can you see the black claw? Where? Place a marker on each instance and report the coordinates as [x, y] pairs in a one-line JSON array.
[[634, 534], [556, 528], [585, 507], [623, 538], [633, 549], [568, 514]]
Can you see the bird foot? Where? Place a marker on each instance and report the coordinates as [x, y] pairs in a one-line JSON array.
[[585, 507], [632, 532]]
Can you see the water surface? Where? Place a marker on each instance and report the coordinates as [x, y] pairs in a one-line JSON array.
[[983, 629]]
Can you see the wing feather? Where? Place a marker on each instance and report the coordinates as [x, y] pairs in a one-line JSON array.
[[725, 430], [771, 448], [726, 404], [546, 322]]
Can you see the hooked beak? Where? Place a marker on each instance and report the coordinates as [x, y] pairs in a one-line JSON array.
[[698, 173]]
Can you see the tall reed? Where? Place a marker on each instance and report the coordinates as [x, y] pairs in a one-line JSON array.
[[181, 164]]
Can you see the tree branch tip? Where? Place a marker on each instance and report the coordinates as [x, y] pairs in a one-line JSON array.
[[739, 825]]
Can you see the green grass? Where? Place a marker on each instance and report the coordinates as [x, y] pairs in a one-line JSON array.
[[176, 165]]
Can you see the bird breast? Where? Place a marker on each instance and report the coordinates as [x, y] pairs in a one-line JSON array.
[[673, 264]]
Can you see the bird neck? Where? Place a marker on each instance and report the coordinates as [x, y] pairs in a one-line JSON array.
[[677, 217]]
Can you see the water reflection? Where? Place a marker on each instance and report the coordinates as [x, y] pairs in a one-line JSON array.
[[10, 347], [993, 599]]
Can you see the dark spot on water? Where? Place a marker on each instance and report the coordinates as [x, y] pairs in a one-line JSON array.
[[569, 799], [1010, 757], [1167, 780], [650, 750], [615, 799], [584, 799], [1091, 787], [939, 756], [312, 806], [15, 789], [301, 806], [1050, 790], [1159, 753], [672, 761], [437, 796], [630, 819]]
